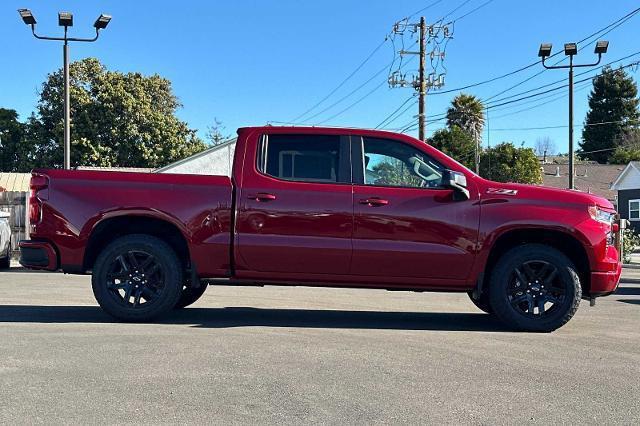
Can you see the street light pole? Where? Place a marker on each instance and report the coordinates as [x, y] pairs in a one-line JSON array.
[[571, 49], [65, 19], [67, 105]]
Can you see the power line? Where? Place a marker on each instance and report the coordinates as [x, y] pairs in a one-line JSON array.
[[609, 27], [516, 71], [472, 11], [383, 122], [343, 81]]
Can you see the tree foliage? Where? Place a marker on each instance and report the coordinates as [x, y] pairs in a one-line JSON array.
[[117, 119], [467, 113], [507, 163], [13, 152], [613, 100], [456, 143]]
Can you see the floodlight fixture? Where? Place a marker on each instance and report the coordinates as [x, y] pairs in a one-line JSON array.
[[102, 21], [65, 19], [570, 49], [545, 50], [27, 16], [601, 47]]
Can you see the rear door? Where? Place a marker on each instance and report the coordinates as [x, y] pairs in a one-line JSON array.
[[295, 207]]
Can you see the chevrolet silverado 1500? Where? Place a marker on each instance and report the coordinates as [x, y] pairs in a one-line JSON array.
[[325, 207]]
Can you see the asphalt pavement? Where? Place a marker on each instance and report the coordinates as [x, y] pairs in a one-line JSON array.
[[309, 355]]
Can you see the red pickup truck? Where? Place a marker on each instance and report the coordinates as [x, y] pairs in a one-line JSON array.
[[325, 207]]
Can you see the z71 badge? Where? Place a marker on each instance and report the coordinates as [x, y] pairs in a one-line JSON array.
[[502, 191]]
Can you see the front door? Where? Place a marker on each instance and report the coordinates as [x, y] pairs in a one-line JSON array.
[[295, 207], [405, 224]]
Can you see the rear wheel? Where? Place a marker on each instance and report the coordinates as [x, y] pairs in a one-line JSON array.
[[535, 288], [190, 295], [137, 278]]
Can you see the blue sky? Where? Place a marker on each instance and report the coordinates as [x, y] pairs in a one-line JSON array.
[[249, 62]]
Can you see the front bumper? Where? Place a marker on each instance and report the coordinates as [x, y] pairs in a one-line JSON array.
[[38, 255], [605, 281]]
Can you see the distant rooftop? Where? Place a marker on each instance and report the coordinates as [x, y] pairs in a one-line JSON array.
[[590, 177]]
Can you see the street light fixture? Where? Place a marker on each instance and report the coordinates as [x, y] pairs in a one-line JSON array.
[[65, 19], [571, 49], [27, 16], [545, 50], [601, 47], [102, 22]]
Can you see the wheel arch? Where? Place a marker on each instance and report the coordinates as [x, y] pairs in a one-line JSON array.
[[108, 229], [566, 243]]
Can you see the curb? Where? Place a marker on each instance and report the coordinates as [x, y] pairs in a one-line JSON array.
[[631, 266]]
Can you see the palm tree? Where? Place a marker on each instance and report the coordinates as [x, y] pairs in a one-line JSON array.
[[467, 113]]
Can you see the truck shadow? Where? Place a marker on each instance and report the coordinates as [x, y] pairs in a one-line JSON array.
[[230, 317]]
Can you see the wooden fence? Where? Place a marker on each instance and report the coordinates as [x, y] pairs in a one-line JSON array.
[[16, 204]]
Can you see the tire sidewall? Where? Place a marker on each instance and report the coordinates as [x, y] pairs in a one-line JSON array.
[[170, 267], [500, 280]]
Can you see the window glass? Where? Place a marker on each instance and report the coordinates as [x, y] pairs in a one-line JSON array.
[[308, 158], [634, 209], [392, 163]]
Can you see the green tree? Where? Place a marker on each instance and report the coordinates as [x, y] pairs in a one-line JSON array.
[[629, 149], [507, 163], [395, 173], [116, 120], [456, 143], [613, 100], [467, 113], [13, 151]]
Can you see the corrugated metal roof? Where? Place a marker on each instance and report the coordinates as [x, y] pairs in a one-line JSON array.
[[14, 182]]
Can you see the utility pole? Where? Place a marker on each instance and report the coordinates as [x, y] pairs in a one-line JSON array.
[[422, 128], [65, 19], [428, 77], [571, 49]]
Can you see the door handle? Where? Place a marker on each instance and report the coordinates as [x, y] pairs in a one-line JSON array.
[[262, 196], [374, 202]]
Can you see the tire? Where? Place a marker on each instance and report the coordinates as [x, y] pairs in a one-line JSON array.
[[534, 287], [5, 262], [137, 278], [482, 303], [190, 295]]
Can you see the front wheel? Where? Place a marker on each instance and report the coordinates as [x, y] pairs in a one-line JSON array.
[[190, 295], [137, 278], [535, 288]]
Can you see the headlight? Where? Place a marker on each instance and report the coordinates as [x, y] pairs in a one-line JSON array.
[[601, 215]]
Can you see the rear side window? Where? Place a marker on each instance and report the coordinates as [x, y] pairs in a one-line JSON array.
[[306, 158]]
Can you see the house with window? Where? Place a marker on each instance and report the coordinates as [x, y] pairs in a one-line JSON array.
[[628, 187]]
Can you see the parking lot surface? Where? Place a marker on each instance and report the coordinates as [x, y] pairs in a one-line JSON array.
[[309, 355]]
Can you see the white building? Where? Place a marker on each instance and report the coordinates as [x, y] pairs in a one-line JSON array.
[[217, 160]]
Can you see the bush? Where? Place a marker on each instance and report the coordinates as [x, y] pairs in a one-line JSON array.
[[630, 243]]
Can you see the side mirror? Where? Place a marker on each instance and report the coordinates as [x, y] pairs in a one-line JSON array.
[[456, 181]]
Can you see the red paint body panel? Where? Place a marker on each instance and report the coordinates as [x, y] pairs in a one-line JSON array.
[[319, 233], [199, 206]]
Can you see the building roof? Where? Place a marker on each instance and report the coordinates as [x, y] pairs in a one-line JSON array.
[[14, 182], [593, 178]]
